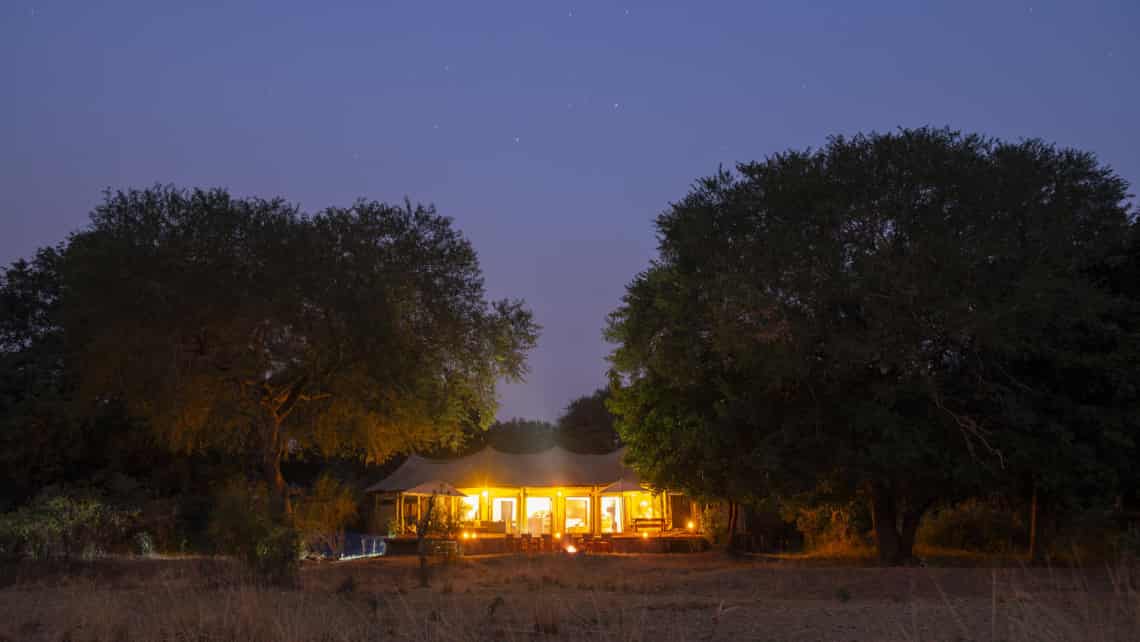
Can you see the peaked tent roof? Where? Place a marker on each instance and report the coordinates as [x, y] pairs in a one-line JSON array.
[[435, 487], [493, 468]]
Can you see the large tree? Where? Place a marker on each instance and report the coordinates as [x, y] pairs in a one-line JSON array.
[[246, 325], [864, 314]]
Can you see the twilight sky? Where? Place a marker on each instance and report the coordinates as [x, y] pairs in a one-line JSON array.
[[552, 132]]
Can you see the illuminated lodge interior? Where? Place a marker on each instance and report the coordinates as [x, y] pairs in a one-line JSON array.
[[553, 493]]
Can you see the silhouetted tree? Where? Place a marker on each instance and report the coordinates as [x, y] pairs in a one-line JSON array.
[[912, 314], [587, 425], [246, 326]]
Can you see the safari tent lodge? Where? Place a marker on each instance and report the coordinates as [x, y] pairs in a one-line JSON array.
[[552, 495]]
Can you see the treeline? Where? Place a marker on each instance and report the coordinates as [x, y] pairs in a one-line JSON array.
[[878, 341], [893, 323]]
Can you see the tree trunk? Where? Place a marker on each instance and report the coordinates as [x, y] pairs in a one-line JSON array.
[[1033, 553], [910, 520], [885, 517], [895, 527], [271, 453], [731, 544]]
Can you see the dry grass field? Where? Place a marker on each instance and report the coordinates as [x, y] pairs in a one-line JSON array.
[[652, 598]]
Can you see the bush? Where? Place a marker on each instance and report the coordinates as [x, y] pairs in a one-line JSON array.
[[828, 524], [714, 523], [243, 524], [975, 525], [1092, 536], [64, 524], [322, 515]]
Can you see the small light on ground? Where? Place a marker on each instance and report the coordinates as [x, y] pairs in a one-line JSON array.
[[571, 549]]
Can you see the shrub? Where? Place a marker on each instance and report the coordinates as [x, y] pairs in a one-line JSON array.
[[714, 523], [826, 525], [64, 524], [243, 524], [322, 515], [975, 525]]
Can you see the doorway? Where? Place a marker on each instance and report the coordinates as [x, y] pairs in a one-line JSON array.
[[503, 510], [612, 515]]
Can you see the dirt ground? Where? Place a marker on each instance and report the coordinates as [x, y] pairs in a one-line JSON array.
[[557, 597]]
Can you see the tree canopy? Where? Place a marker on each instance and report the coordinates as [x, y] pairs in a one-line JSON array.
[[910, 315], [587, 425], [245, 325]]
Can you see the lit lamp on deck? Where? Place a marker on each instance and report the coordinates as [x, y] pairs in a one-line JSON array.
[[689, 525]]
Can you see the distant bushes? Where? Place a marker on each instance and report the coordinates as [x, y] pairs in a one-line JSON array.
[[65, 524], [322, 515], [828, 525], [978, 525], [244, 524]]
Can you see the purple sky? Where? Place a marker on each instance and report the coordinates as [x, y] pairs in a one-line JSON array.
[[553, 132]]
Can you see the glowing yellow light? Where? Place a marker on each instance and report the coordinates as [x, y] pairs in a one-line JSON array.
[[474, 535], [645, 536], [559, 493], [463, 534], [485, 493], [558, 536], [571, 549], [689, 525]]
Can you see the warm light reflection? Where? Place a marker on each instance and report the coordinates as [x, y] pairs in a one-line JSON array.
[[689, 525], [645, 536], [485, 493], [558, 536], [571, 549]]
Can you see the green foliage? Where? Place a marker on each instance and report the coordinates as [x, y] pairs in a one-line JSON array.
[[828, 525], [515, 435], [245, 523], [984, 526], [64, 524], [322, 514], [921, 314], [245, 326]]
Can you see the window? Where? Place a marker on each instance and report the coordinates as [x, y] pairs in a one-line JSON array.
[[611, 515], [469, 509], [538, 515], [577, 514], [643, 506]]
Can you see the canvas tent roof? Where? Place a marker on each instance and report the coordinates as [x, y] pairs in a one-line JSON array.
[[492, 468], [435, 487], [623, 485]]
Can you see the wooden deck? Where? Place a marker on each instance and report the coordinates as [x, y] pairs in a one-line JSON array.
[[625, 543]]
